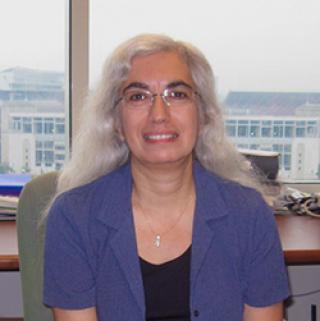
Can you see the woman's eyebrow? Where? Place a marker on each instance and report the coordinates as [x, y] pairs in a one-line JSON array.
[[177, 83], [141, 85], [136, 84]]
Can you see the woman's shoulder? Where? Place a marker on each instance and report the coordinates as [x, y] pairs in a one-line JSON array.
[[230, 191], [90, 198], [243, 206], [100, 185]]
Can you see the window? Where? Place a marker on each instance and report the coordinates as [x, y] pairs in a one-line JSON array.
[[59, 126], [59, 147], [254, 128], [267, 67], [254, 146], [244, 146], [276, 148], [16, 124], [278, 129], [300, 132], [38, 157], [26, 125], [48, 126], [266, 129], [287, 148], [231, 128], [48, 158], [288, 129], [266, 132], [32, 78], [38, 126], [59, 157], [48, 144], [312, 129], [243, 128]]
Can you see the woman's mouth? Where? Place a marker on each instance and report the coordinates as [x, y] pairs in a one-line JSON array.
[[166, 137]]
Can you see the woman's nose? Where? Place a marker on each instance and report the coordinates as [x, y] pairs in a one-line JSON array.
[[159, 111]]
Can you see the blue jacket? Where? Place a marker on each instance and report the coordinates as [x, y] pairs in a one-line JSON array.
[[91, 256]]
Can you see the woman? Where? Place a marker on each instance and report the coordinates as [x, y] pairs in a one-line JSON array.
[[154, 219]]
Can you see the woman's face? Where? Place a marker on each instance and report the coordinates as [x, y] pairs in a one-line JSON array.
[[157, 133]]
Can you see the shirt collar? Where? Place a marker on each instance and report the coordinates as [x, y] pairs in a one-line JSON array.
[[116, 206]]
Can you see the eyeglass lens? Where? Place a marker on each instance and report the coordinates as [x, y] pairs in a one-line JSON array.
[[180, 95]]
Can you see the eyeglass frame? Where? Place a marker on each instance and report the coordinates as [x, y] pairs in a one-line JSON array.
[[152, 95]]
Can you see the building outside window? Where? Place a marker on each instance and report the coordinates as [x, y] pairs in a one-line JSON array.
[[296, 138]]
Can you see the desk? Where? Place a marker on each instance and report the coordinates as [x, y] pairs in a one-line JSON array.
[[300, 238], [9, 260]]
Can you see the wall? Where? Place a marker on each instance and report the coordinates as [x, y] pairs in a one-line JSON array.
[[10, 295]]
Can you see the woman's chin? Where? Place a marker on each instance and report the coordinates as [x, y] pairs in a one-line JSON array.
[[163, 159]]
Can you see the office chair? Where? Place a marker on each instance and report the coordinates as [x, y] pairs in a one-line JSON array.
[[32, 202]]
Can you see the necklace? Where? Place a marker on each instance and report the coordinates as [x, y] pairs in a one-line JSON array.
[[157, 239]]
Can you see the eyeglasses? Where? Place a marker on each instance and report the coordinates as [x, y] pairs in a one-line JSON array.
[[137, 98]]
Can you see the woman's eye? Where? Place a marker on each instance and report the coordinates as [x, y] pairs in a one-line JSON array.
[[137, 97], [178, 94]]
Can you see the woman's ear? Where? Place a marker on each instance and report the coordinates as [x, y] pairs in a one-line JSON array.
[[201, 124], [118, 128], [120, 135], [119, 132]]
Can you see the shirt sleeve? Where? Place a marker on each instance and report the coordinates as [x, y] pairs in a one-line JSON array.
[[267, 281], [68, 277]]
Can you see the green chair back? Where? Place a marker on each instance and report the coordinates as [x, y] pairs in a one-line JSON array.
[[32, 202]]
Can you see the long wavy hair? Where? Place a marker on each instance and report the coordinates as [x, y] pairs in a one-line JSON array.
[[98, 149]]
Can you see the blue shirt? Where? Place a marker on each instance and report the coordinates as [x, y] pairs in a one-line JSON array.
[[91, 256]]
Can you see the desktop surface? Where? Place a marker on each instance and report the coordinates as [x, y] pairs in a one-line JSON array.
[[300, 238]]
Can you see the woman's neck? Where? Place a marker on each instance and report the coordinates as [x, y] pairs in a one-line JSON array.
[[162, 187]]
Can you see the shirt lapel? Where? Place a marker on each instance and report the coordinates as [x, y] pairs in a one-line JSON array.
[[210, 209], [125, 250], [123, 239]]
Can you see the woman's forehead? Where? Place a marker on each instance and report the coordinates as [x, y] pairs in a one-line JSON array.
[[159, 69]]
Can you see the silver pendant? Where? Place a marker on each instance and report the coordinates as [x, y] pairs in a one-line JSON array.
[[157, 241]]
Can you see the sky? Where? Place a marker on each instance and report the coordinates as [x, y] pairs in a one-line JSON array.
[[261, 45]]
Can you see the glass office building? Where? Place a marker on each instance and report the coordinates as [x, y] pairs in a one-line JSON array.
[[32, 120], [288, 123]]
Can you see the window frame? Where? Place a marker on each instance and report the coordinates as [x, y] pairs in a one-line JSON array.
[[77, 63]]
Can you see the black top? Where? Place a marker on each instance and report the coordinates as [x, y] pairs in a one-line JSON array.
[[166, 288]]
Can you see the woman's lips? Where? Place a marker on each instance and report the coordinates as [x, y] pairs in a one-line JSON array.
[[160, 137]]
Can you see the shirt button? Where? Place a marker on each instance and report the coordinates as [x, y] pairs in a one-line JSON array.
[[196, 313]]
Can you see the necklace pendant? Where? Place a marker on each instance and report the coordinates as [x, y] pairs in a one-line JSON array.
[[157, 241]]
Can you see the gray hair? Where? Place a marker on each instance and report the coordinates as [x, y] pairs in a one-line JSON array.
[[98, 149]]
